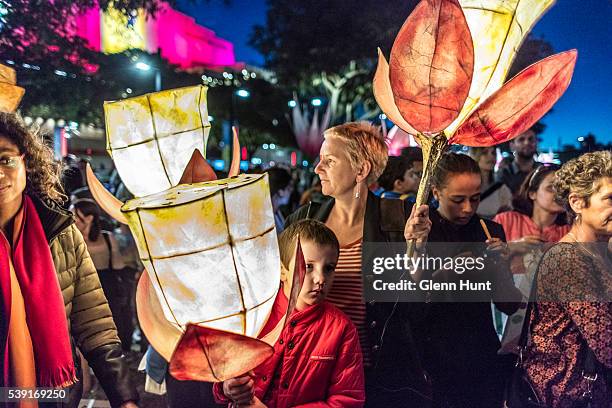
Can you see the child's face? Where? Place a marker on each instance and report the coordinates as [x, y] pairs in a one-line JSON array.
[[320, 266]]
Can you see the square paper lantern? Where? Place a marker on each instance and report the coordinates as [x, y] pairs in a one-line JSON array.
[[10, 93], [152, 137], [211, 251]]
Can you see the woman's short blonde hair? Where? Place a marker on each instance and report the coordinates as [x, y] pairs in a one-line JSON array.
[[581, 176], [364, 142]]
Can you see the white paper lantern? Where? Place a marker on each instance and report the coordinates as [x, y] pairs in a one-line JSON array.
[[211, 252], [152, 137]]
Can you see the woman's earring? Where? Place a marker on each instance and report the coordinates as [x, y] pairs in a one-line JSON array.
[[578, 218], [357, 192]]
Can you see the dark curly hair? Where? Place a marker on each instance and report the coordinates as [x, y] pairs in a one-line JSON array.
[[581, 176], [42, 171]]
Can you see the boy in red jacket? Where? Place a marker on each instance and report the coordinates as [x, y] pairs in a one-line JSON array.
[[317, 361]]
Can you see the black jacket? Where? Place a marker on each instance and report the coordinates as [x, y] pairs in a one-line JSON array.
[[89, 318], [396, 362]]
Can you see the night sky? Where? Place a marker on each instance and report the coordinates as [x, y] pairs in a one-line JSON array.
[[581, 24]]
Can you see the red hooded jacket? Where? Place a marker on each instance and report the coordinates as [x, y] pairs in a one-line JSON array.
[[317, 362]]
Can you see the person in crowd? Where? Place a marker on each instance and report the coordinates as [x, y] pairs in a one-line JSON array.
[[281, 187], [313, 193], [572, 319], [72, 174], [317, 360], [50, 290], [458, 340], [399, 179], [536, 219], [524, 147], [415, 156], [495, 196], [113, 274], [352, 156]]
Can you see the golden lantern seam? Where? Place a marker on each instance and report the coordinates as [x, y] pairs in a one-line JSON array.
[[163, 162]]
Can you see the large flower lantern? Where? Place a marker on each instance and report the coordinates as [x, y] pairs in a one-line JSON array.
[[10, 93], [209, 246], [445, 80]]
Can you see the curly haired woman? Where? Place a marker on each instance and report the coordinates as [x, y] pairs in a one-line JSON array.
[[50, 292], [572, 319]]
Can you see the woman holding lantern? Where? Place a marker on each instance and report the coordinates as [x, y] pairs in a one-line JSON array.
[[457, 335], [352, 156], [50, 290]]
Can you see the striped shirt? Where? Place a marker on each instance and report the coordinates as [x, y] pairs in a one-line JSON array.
[[347, 293]]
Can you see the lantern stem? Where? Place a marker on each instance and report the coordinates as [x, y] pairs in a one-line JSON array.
[[433, 147]]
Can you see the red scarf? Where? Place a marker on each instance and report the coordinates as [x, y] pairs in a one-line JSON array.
[[44, 304]]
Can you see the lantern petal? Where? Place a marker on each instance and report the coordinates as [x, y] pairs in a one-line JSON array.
[[520, 103], [206, 354], [384, 95], [235, 166], [498, 29], [108, 202], [431, 65], [198, 170], [160, 332]]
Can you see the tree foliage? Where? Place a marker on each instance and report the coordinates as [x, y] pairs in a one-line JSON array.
[[308, 42], [300, 38]]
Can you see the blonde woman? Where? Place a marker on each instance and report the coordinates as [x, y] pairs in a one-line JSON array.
[[353, 156]]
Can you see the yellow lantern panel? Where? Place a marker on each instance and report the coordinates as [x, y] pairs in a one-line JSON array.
[[174, 230], [195, 288], [177, 150], [179, 110], [128, 122], [249, 257], [254, 218], [128, 159]]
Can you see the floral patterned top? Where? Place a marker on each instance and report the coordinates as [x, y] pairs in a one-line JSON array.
[[565, 326]]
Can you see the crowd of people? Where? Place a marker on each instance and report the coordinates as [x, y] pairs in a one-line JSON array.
[[536, 225]]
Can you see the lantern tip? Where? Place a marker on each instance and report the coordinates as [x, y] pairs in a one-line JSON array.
[[197, 170], [235, 166], [108, 202]]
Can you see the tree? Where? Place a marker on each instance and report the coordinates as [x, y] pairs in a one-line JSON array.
[[329, 46], [306, 37], [63, 77]]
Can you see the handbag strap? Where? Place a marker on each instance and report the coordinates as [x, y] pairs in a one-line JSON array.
[[489, 191], [106, 236], [526, 329]]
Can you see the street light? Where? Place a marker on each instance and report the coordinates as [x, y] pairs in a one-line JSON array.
[[243, 93], [146, 67], [142, 66], [316, 102], [292, 104]]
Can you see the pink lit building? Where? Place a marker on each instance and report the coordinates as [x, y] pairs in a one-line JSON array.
[[179, 38]]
